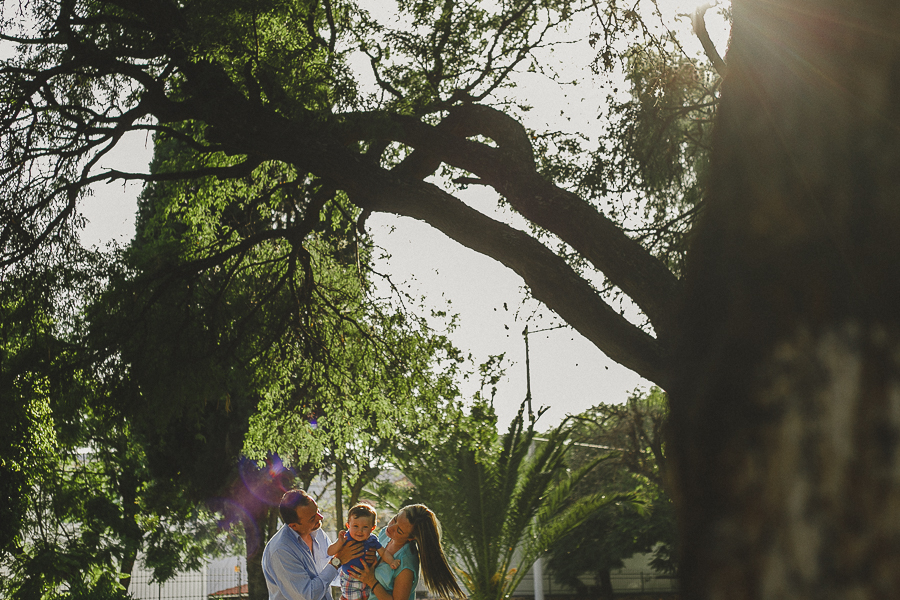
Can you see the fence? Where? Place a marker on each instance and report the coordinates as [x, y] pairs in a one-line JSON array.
[[211, 584], [227, 584], [624, 582], [639, 582]]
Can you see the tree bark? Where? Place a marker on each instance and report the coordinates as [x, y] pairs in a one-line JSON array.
[[786, 393], [338, 496], [604, 579], [256, 579]]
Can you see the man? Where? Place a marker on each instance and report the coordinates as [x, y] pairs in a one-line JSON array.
[[295, 562]]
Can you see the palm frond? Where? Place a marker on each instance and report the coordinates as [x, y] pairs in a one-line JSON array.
[[503, 505]]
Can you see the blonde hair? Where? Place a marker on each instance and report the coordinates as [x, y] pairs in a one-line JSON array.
[[426, 535]]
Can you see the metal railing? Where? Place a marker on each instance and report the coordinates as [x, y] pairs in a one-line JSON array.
[[639, 582], [227, 584], [210, 584]]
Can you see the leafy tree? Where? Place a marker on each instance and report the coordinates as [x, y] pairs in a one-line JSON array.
[[81, 506], [637, 430], [270, 82], [502, 500], [393, 380], [633, 433]]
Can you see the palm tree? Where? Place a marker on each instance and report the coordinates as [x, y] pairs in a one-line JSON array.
[[502, 500]]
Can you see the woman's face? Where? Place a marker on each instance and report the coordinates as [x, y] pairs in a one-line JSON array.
[[400, 529]]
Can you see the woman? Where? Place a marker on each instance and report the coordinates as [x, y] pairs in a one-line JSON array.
[[414, 538]]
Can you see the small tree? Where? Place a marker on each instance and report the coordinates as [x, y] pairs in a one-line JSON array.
[[502, 500], [634, 431]]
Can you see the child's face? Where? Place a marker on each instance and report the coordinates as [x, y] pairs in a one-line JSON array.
[[360, 527]]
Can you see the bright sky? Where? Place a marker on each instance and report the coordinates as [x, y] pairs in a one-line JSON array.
[[568, 374]]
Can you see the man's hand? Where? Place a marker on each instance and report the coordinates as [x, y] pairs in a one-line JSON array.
[[348, 550]]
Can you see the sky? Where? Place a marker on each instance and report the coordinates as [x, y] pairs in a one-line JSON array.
[[568, 374]]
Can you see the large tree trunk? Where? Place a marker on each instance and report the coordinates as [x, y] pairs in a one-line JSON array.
[[786, 406]]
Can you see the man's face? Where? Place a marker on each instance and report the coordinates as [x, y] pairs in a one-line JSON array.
[[308, 519], [360, 528]]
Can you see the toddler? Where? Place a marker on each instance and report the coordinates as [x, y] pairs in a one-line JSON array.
[[361, 520]]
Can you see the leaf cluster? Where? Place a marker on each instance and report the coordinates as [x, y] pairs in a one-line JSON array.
[[81, 503]]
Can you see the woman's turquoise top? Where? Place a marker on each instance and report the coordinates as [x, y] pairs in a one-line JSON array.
[[408, 560]]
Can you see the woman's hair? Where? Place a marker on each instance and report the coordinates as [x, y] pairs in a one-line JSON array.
[[426, 534]]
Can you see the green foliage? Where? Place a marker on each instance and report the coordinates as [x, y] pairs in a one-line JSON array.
[[659, 143], [79, 500], [502, 500], [328, 372], [377, 384], [204, 340], [646, 168], [634, 432], [28, 441]]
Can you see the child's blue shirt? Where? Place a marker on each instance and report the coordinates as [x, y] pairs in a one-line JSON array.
[[371, 543]]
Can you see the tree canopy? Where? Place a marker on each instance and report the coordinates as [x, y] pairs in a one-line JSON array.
[[274, 82]]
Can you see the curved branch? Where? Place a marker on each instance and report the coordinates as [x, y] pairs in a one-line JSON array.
[[510, 170], [699, 22], [550, 278]]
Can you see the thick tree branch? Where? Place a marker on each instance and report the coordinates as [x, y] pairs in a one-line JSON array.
[[550, 278], [510, 170], [311, 147], [317, 144]]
